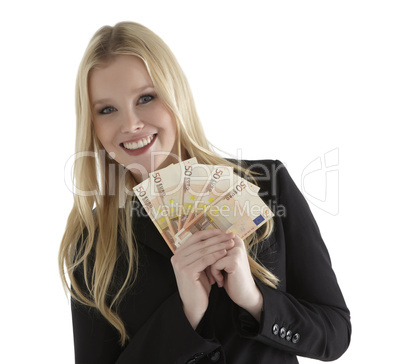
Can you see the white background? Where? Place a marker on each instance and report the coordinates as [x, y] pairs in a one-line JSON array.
[[287, 80]]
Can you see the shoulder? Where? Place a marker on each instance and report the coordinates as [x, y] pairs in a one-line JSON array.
[[271, 175], [266, 168], [278, 189]]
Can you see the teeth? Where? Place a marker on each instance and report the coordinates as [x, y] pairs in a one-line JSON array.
[[140, 144]]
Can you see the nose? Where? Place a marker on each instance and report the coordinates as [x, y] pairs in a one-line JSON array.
[[131, 122]]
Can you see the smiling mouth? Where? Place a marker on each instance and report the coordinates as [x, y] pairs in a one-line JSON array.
[[138, 144]]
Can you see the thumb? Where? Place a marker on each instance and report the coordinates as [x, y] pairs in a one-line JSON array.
[[218, 269]]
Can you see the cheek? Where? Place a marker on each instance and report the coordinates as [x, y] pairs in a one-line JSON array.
[[102, 138], [164, 118], [169, 124], [102, 132], [98, 132]]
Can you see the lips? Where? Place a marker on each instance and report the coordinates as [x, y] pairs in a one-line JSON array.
[[139, 146], [134, 145]]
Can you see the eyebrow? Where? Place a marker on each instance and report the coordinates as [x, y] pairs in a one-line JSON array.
[[107, 100]]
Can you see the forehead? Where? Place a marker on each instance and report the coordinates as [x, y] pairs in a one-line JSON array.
[[121, 72]]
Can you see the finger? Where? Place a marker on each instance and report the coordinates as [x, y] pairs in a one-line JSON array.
[[204, 245], [238, 241], [203, 235], [231, 234], [198, 261], [217, 270], [218, 277], [215, 274], [211, 278], [204, 261]]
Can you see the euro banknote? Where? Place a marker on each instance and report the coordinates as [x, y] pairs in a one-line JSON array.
[[240, 211], [187, 197], [157, 194]]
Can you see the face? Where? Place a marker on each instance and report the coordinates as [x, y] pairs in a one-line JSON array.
[[130, 120]]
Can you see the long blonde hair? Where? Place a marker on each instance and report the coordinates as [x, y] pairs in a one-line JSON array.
[[96, 224]]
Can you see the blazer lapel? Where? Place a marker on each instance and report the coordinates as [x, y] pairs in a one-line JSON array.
[[146, 232]]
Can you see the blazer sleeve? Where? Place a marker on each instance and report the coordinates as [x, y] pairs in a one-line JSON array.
[[167, 333], [307, 314]]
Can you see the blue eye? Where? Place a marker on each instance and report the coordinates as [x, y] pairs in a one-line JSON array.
[[145, 99], [107, 110]]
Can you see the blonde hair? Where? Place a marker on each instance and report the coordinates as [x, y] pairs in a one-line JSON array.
[[96, 226]]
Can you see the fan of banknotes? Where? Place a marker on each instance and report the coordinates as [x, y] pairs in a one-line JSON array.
[[187, 197]]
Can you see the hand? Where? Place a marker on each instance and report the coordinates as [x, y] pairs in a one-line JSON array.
[[232, 272], [190, 261]]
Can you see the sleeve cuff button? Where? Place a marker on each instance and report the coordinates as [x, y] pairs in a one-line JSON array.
[[295, 338], [214, 356]]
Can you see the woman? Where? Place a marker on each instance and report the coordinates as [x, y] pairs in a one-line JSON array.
[[218, 298]]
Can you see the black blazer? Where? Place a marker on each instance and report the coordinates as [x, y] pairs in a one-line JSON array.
[[305, 316]]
